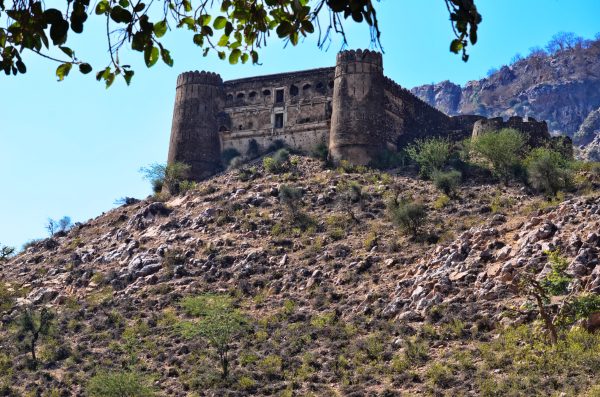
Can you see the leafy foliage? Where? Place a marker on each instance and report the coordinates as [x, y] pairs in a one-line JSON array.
[[220, 323], [234, 31], [430, 154], [119, 384], [278, 163], [447, 182], [33, 326], [407, 214], [6, 252], [172, 176], [548, 171], [502, 150]]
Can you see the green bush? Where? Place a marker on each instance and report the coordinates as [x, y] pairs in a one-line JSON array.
[[502, 150], [171, 176], [387, 159], [279, 163], [548, 171], [6, 252], [408, 215], [253, 149], [430, 154], [447, 182], [290, 197], [229, 154], [321, 152], [119, 384]]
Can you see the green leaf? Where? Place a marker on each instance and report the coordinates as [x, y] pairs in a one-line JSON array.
[[166, 56], [220, 22], [124, 3], [63, 70], [160, 28], [198, 40], [21, 67], [85, 68], [102, 7], [128, 75], [120, 15], [234, 56], [150, 55], [223, 41], [67, 51], [58, 32], [245, 57], [221, 55], [456, 46], [139, 7], [204, 19]]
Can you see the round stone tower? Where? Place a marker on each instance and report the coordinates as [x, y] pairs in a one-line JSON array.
[[357, 119], [194, 132]]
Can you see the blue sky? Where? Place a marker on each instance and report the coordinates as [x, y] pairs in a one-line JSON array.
[[72, 148]]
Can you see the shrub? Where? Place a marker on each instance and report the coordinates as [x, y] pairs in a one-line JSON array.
[[278, 163], [170, 176], [408, 215], [387, 159], [321, 151], [447, 182], [229, 154], [119, 384], [430, 154], [548, 171], [502, 150], [290, 197], [253, 149]]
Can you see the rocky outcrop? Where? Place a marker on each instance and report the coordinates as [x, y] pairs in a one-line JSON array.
[[562, 89]]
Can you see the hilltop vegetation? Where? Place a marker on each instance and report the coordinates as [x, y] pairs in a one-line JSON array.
[[290, 277]]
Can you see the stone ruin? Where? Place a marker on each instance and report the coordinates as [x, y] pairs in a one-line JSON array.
[[352, 108]]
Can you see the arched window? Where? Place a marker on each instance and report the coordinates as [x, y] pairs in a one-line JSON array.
[[240, 95], [267, 92], [293, 90]]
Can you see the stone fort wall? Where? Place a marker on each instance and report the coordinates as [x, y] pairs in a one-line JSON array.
[[352, 108]]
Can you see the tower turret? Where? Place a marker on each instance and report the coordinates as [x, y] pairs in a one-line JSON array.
[[357, 120], [194, 132]]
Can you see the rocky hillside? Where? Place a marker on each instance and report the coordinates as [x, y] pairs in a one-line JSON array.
[[562, 88], [337, 300]]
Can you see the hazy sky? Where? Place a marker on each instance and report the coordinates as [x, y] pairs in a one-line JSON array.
[[72, 148]]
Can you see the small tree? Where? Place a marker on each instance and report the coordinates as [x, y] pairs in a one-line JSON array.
[[64, 224], [6, 252], [548, 171], [278, 163], [220, 323], [503, 151], [33, 326], [51, 226], [430, 154], [407, 214], [119, 384]]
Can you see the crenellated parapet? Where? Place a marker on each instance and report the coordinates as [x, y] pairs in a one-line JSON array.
[[397, 90], [536, 131], [197, 77]]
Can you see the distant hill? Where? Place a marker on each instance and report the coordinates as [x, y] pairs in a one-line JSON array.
[[560, 84]]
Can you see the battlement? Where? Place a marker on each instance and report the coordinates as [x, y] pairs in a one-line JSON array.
[[197, 77], [537, 131], [366, 56], [401, 92]]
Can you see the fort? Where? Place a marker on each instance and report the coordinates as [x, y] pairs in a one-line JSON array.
[[352, 108]]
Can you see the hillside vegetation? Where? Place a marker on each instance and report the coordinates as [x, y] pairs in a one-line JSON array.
[[294, 278]]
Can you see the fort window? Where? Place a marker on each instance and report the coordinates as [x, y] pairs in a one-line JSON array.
[[331, 84], [240, 95], [320, 88], [293, 90], [267, 92], [279, 96], [252, 95], [279, 120], [306, 87]]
